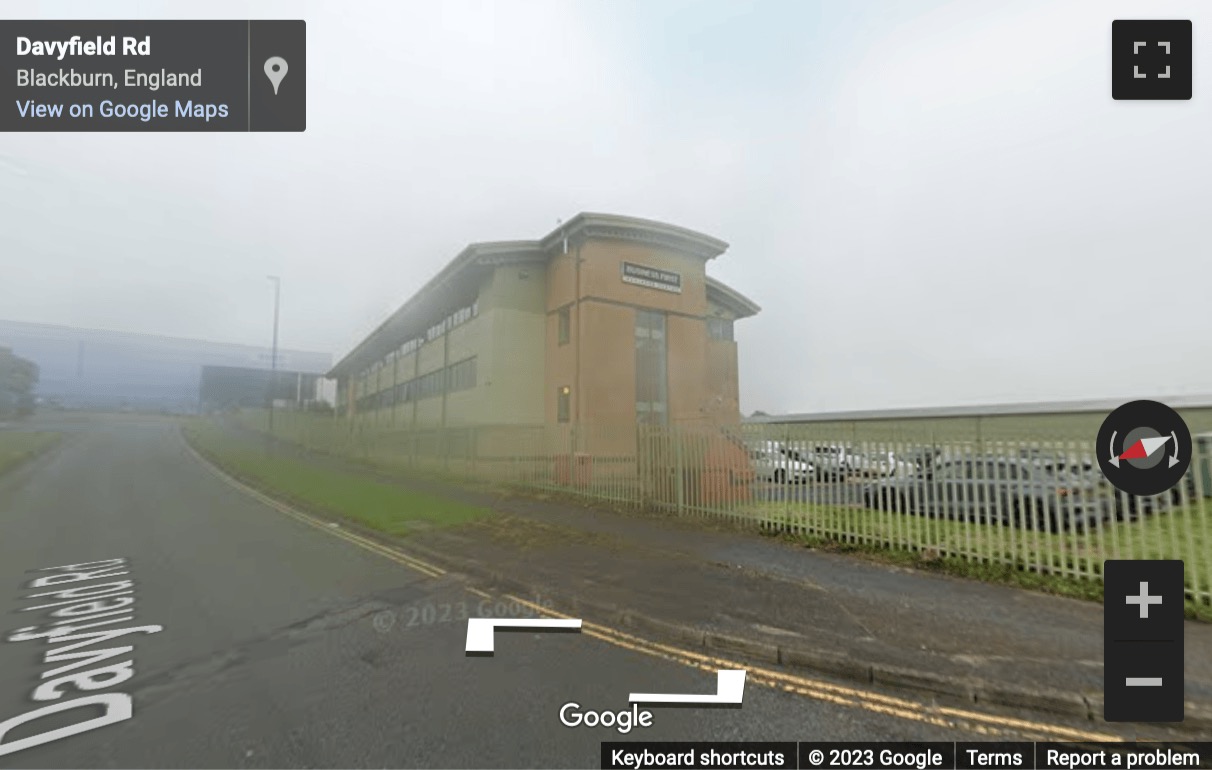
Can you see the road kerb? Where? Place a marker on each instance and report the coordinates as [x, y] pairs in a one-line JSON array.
[[925, 681], [1051, 701], [690, 635], [751, 648], [827, 662]]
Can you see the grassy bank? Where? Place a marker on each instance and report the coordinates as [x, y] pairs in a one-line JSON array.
[[388, 508], [17, 447]]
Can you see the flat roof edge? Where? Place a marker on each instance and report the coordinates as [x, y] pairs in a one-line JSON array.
[[983, 410], [706, 245], [744, 306]]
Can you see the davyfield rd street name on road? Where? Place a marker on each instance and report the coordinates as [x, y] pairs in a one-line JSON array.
[[76, 652]]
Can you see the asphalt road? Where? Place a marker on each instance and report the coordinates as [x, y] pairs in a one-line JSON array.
[[283, 646]]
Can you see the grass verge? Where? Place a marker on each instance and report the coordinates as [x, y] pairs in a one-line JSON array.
[[18, 447], [1016, 575], [388, 508]]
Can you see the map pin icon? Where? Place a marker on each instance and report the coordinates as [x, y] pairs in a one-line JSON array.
[[275, 70]]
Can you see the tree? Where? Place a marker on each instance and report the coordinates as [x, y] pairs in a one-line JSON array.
[[18, 377]]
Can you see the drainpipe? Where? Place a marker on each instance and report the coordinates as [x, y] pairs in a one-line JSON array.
[[577, 353], [395, 382]]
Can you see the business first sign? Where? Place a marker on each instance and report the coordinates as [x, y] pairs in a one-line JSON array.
[[652, 278]]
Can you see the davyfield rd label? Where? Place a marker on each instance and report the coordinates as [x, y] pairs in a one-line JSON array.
[[99, 46]]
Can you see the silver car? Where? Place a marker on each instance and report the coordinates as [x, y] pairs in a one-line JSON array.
[[774, 461]]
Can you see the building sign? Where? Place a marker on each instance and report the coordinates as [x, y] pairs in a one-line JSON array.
[[652, 277]]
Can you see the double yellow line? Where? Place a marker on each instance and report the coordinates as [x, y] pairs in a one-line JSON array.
[[841, 695]]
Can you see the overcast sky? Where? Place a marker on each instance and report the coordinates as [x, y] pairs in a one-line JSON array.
[[934, 203]]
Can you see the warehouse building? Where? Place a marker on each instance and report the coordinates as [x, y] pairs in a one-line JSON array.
[[606, 320], [101, 369]]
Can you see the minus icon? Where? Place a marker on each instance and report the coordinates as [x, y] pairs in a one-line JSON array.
[[1144, 681]]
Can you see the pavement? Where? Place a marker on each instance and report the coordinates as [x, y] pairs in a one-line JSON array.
[[280, 640], [696, 581]]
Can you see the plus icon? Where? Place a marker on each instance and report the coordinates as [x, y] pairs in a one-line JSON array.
[[1144, 600]]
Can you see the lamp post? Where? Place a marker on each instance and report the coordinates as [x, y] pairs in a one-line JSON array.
[[273, 363]]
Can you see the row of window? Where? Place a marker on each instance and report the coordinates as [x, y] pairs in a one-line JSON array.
[[717, 328], [457, 318], [453, 378]]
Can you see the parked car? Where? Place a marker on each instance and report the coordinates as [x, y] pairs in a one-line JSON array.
[[1027, 492], [878, 464], [779, 463], [1132, 507], [829, 462], [920, 459]]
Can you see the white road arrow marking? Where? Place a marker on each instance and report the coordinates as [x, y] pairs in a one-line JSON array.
[[730, 689], [481, 631]]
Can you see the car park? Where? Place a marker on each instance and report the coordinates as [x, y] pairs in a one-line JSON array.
[[1032, 493]]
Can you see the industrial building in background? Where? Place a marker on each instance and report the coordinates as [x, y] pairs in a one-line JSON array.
[[18, 379], [95, 369], [606, 320]]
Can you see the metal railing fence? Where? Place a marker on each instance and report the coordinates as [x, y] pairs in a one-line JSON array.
[[1030, 504]]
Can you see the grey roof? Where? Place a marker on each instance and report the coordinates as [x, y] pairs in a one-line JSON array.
[[984, 410], [25, 335]]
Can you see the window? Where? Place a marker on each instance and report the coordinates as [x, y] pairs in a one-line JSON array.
[[650, 375], [565, 325], [563, 404], [719, 329], [431, 384], [461, 376]]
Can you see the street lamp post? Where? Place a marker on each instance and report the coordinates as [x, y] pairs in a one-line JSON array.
[[273, 356]]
